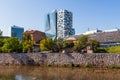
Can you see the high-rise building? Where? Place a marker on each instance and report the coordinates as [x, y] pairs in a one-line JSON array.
[[17, 31], [51, 24], [64, 23], [59, 24]]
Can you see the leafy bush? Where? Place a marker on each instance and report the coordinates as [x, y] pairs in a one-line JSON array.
[[113, 49], [1, 44], [46, 44], [83, 42], [68, 44], [27, 45], [85, 65], [101, 50], [114, 67], [11, 45], [49, 65], [95, 45]]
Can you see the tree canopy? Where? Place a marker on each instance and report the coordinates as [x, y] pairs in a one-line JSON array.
[[84, 41], [27, 43], [46, 44], [11, 45], [1, 33]]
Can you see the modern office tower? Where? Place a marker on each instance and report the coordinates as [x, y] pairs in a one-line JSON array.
[[59, 24], [17, 32], [51, 25], [64, 23]]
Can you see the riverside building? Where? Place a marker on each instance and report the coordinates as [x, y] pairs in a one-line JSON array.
[[107, 37]]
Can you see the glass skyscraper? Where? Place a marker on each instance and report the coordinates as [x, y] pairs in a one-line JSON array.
[[17, 32], [59, 24], [51, 24]]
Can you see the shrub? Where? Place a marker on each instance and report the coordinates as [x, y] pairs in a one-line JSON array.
[[11, 44], [49, 65], [113, 49], [114, 67], [46, 44], [101, 50], [85, 66], [64, 65]]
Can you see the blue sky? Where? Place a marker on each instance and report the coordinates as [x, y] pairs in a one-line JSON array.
[[30, 14]]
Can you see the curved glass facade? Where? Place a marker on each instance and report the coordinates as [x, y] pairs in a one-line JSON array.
[[51, 25]]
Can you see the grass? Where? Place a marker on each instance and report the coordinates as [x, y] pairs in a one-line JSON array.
[[85, 66], [114, 67], [111, 49], [49, 65]]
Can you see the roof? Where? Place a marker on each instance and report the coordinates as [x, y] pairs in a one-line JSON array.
[[32, 31], [73, 37], [112, 36], [14, 26]]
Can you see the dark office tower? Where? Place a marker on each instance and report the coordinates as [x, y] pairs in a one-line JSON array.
[[17, 32]]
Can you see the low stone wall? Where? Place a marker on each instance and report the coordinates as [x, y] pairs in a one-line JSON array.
[[63, 59]]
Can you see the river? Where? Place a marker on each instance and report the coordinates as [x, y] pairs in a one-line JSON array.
[[54, 73]]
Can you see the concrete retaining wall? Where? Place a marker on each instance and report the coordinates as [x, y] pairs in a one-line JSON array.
[[57, 59]]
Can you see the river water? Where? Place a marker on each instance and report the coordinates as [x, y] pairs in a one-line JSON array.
[[54, 73]]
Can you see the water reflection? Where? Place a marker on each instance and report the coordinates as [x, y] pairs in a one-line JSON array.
[[23, 77], [39, 73]]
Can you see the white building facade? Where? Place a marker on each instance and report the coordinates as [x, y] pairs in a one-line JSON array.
[[64, 23]]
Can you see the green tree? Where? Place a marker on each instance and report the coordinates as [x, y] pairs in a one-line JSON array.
[[59, 44], [11, 45], [1, 33], [47, 44], [95, 45], [26, 36], [1, 43], [68, 44], [81, 43], [27, 45], [113, 49], [84, 41]]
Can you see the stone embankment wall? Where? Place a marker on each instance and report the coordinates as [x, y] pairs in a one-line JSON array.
[[63, 59]]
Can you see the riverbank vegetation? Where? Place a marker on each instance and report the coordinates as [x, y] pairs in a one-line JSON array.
[[13, 44], [111, 49], [79, 46]]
